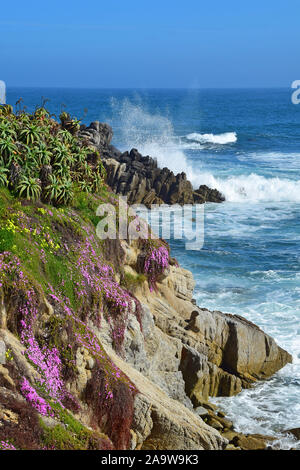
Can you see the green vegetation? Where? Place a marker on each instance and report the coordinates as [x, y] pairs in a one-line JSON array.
[[132, 281], [70, 434], [46, 238], [56, 276], [41, 159]]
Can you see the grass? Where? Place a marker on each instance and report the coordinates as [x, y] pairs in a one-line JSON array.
[[132, 281]]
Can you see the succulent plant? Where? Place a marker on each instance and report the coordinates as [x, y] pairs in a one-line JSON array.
[[71, 125], [6, 109], [42, 158], [3, 177], [30, 187]]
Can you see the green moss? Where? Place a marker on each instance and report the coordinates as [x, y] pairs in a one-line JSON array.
[[70, 434], [60, 438], [132, 281]]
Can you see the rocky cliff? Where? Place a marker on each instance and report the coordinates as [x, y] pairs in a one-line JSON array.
[[96, 358], [139, 178], [101, 343]]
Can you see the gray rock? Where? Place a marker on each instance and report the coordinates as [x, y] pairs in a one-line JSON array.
[[144, 182]]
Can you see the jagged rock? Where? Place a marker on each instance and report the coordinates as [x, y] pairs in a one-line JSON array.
[[45, 174], [139, 178], [15, 174], [201, 411], [151, 352], [295, 432], [204, 193]]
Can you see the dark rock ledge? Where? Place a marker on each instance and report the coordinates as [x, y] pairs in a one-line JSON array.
[[139, 178]]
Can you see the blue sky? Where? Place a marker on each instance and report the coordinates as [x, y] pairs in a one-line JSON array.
[[149, 44]]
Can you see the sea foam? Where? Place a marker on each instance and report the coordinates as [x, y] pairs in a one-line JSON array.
[[220, 139], [153, 134]]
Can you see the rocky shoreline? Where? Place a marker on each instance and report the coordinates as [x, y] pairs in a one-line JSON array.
[[192, 353], [102, 345], [139, 177], [243, 353]]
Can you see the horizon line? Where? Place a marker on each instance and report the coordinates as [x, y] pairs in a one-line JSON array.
[[147, 88]]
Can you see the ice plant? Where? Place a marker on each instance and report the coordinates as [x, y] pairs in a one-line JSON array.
[[45, 360], [34, 399], [5, 445], [156, 261]]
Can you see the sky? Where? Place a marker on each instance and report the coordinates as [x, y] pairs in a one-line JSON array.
[[150, 44]]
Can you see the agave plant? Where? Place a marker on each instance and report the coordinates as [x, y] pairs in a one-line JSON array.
[[65, 136], [3, 177], [72, 125], [30, 161], [96, 182], [30, 134], [87, 169], [62, 155], [31, 187], [6, 109], [7, 130], [85, 186], [66, 191], [40, 157], [53, 190], [24, 120], [81, 154], [43, 154], [41, 114], [8, 149]]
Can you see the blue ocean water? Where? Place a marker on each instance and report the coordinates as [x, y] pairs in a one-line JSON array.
[[246, 143]]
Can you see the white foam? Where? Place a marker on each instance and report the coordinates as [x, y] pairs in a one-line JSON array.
[[220, 139], [255, 188], [153, 134]]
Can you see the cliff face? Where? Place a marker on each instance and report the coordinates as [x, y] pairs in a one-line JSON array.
[[102, 353]]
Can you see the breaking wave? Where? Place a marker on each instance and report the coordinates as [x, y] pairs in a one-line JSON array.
[[153, 134], [220, 139]]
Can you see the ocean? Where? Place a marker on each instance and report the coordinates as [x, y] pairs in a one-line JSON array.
[[246, 143]]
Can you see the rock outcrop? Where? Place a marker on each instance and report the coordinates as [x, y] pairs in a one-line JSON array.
[[112, 366], [216, 354], [139, 178]]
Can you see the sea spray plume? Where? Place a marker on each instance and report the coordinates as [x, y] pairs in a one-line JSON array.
[[152, 134]]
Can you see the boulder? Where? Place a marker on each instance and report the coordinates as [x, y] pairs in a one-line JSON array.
[[252, 442], [295, 432]]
